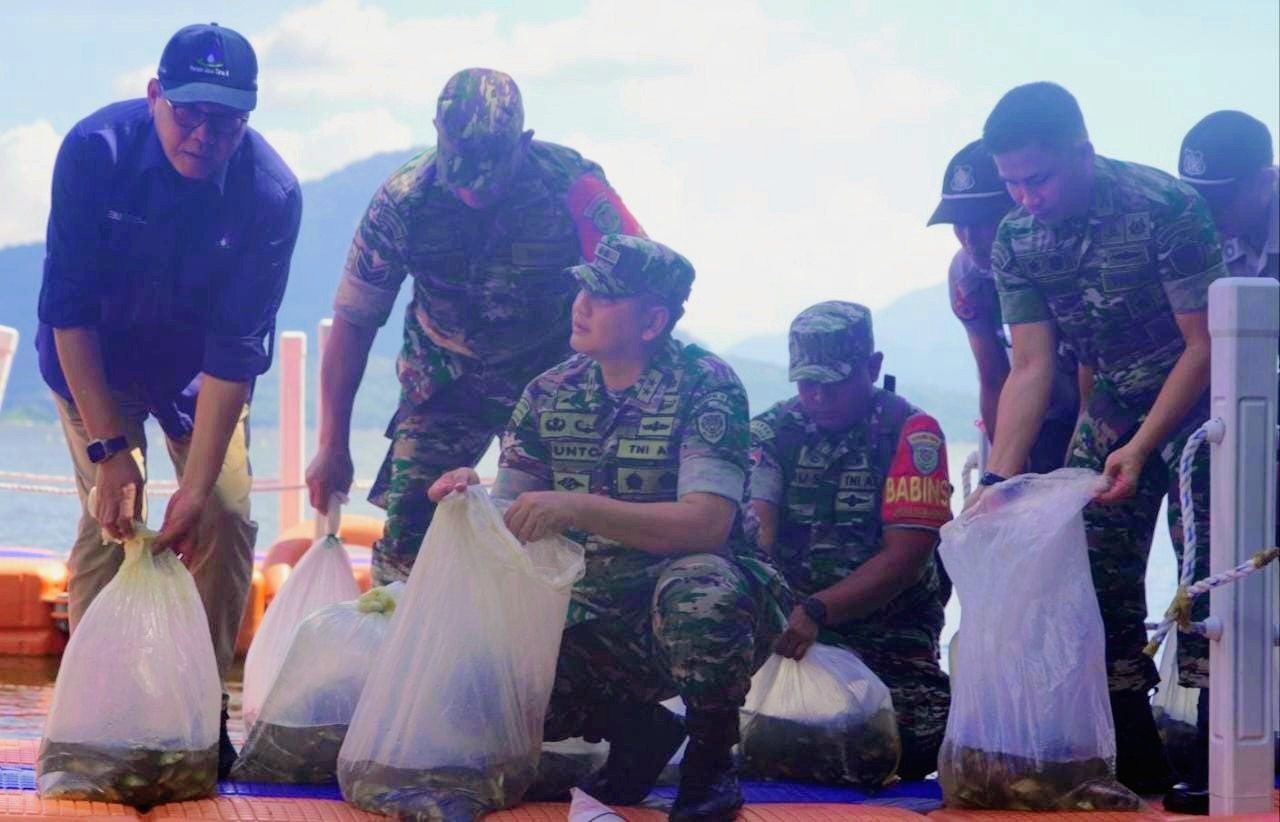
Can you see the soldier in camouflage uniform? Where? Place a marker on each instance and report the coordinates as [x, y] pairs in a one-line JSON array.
[[637, 448], [1115, 259], [974, 200], [486, 224], [849, 484], [1228, 157]]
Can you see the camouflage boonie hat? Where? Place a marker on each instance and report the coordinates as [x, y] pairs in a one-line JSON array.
[[827, 338], [480, 113], [626, 266]]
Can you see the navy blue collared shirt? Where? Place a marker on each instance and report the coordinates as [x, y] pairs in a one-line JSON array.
[[180, 277]]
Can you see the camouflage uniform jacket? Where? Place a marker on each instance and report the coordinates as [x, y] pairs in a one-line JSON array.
[[977, 306], [836, 492], [681, 428], [490, 287], [1113, 280]]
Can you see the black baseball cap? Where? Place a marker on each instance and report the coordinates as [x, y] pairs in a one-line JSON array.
[[1224, 147], [208, 63], [972, 191]]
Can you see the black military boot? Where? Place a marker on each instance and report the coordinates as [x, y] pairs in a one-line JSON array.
[[1141, 765], [642, 740], [1191, 795], [709, 790], [226, 751]]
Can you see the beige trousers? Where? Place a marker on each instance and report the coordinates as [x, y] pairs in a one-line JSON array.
[[222, 564]]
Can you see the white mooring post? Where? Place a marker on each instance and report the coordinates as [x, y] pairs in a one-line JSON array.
[[293, 425], [8, 349], [1244, 322]]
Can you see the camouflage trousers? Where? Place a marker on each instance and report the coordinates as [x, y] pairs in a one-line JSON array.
[[710, 625], [921, 690], [453, 428], [1119, 537]]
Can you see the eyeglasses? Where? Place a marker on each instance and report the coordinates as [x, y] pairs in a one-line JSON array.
[[189, 117]]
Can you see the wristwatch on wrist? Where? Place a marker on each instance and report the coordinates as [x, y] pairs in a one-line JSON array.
[[816, 610], [102, 450], [991, 478]]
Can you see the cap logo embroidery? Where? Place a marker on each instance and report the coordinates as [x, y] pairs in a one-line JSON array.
[[1193, 162], [212, 62], [962, 179], [605, 258]]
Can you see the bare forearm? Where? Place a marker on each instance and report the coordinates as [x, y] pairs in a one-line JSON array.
[[345, 357], [988, 405], [993, 369], [80, 355], [767, 517], [1084, 383], [666, 528], [878, 581], [217, 413], [1023, 402], [1185, 384]]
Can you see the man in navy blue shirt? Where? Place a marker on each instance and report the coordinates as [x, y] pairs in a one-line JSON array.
[[170, 233]]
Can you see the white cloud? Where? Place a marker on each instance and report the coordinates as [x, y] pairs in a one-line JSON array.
[[770, 154], [27, 153], [339, 140], [761, 253]]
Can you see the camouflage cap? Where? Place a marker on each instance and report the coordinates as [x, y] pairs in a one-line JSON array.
[[480, 117], [625, 266], [827, 338]]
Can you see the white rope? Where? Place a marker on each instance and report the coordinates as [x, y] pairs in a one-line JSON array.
[[966, 473], [153, 488], [29, 477], [37, 489], [1179, 611]]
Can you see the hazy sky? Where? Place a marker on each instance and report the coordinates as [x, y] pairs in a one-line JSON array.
[[793, 150]]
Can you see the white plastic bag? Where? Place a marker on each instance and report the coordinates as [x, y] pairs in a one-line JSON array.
[[322, 577], [305, 717], [450, 721], [826, 718], [584, 807], [1030, 726], [135, 708]]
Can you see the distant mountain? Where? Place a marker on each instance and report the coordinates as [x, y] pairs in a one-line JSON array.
[[924, 346]]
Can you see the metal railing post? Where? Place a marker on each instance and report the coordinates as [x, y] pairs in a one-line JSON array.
[[323, 328], [8, 350], [293, 425]]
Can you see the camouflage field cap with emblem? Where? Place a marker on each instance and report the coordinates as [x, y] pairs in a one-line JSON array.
[[626, 266], [480, 115], [827, 338]]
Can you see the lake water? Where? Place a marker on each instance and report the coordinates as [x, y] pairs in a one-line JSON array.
[[47, 521]]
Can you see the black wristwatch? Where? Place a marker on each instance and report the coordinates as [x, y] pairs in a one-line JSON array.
[[102, 450], [816, 610], [991, 478]]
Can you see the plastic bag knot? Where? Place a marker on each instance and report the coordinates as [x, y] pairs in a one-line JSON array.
[[376, 601]]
